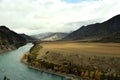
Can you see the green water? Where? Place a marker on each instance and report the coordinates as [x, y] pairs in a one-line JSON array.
[[11, 67]]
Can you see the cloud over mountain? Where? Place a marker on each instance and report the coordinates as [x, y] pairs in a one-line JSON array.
[[35, 16]]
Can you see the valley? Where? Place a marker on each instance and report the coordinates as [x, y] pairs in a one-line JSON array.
[[91, 52], [59, 40], [77, 58]]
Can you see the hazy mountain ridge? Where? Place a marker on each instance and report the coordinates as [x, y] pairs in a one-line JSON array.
[[9, 39], [96, 31], [50, 36], [41, 35], [55, 36]]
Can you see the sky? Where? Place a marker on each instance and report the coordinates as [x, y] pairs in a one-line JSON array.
[[40, 16]]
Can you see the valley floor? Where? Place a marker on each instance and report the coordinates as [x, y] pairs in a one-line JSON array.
[[87, 60], [86, 48]]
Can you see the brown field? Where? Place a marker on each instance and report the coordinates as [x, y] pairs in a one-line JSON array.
[[110, 49], [102, 56]]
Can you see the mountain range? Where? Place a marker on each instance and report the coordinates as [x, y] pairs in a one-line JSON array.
[[50, 36], [98, 31], [108, 31]]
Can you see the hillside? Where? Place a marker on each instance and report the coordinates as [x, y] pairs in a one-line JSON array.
[[96, 31], [54, 36], [115, 37], [9, 39], [28, 38]]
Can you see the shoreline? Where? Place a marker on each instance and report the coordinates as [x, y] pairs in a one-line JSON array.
[[64, 75], [4, 51]]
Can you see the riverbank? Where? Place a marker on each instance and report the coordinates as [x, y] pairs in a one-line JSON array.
[[7, 50], [10, 47], [3, 51], [67, 76]]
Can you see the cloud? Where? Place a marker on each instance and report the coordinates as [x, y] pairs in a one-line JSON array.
[[37, 16]]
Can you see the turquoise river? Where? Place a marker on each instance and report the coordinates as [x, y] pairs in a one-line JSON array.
[[11, 67]]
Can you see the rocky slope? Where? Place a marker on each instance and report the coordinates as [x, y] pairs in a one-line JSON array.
[[96, 31], [9, 39]]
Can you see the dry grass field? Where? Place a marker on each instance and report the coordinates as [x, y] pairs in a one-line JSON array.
[[102, 56], [110, 49]]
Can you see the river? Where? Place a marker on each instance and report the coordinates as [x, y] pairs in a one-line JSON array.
[[11, 67]]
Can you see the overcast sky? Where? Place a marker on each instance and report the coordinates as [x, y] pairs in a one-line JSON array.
[[38, 16]]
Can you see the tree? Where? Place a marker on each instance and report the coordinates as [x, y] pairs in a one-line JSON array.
[[97, 75], [86, 74], [92, 74]]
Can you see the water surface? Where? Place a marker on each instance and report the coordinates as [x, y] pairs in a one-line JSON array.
[[11, 67]]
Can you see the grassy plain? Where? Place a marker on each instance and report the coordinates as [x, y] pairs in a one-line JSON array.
[[101, 56], [76, 47]]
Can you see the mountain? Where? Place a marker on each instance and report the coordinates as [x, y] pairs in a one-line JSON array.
[[96, 31], [28, 38], [112, 38], [50, 36], [54, 36], [9, 39], [41, 35]]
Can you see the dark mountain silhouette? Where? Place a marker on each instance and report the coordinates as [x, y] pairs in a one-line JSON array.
[[96, 31], [9, 39]]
